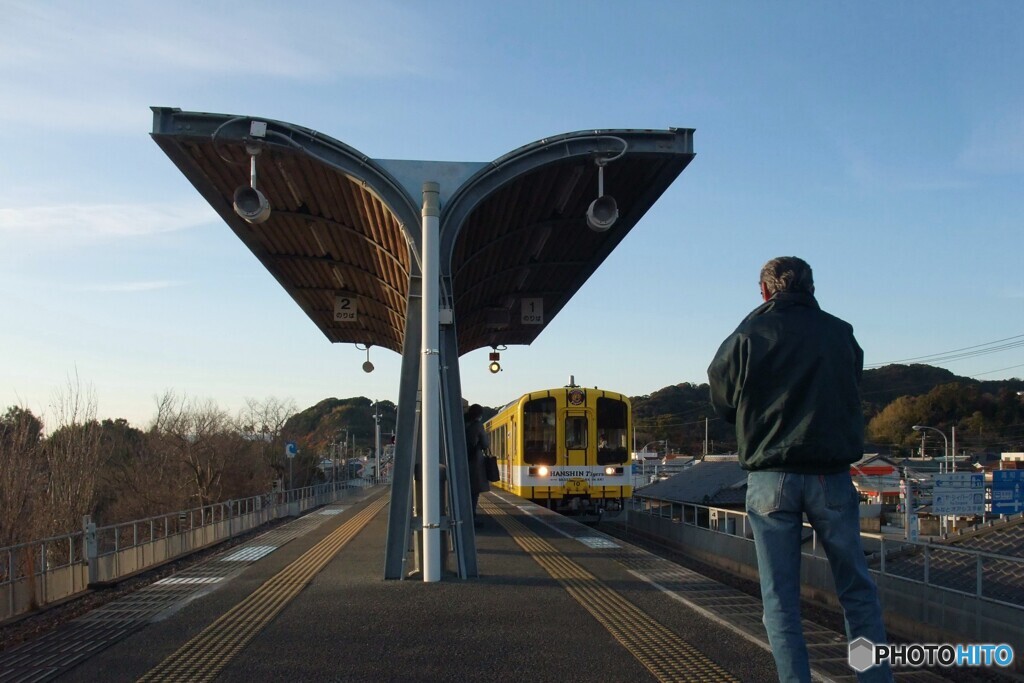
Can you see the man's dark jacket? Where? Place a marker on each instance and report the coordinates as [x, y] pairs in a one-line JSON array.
[[788, 378]]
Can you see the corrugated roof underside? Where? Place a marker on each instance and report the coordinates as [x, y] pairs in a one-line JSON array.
[[530, 239], [326, 234]]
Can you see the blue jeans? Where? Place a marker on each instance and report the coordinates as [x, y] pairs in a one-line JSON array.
[[776, 505]]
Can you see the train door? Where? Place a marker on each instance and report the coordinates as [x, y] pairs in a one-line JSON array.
[[576, 428], [512, 480], [577, 437]]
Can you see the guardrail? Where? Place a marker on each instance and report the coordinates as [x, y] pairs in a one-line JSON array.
[[930, 592], [42, 572], [990, 576]]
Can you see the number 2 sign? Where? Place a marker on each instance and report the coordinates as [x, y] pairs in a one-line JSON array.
[[345, 306]]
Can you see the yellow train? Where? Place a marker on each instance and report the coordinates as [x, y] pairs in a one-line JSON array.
[[566, 449]]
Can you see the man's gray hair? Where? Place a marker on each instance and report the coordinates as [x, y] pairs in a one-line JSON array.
[[787, 274]]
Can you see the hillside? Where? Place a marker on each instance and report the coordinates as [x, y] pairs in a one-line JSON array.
[[333, 420], [990, 413]]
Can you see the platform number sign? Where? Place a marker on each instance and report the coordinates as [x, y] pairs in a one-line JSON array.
[[532, 311], [345, 306]]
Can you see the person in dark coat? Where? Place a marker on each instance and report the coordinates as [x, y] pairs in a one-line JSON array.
[[477, 443], [789, 378]]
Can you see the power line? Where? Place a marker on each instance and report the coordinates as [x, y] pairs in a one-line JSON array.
[[960, 354], [991, 372]]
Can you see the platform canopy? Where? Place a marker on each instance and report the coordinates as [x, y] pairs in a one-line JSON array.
[[342, 224]]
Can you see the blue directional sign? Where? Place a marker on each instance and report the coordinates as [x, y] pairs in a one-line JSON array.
[[1007, 492], [290, 449], [959, 493]]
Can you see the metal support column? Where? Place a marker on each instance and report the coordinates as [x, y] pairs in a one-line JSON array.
[[429, 383], [406, 441], [460, 510]]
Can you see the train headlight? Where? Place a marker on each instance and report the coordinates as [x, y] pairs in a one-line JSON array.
[[609, 471], [542, 471]]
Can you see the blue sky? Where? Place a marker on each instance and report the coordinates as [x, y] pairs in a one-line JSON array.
[[881, 141]]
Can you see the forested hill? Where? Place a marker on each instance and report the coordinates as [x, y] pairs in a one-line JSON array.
[[895, 397], [881, 386], [332, 420]]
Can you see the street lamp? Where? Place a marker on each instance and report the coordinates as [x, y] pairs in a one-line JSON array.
[[918, 428], [644, 449]]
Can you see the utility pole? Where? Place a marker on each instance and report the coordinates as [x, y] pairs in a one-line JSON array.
[[953, 448], [376, 441]]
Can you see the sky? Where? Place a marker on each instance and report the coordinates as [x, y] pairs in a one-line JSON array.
[[881, 141]]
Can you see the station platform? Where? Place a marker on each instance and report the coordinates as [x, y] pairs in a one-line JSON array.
[[555, 601]]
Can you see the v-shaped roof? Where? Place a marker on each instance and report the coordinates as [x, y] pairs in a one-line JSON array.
[[343, 224]]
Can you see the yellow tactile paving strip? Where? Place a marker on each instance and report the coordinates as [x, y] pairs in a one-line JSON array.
[[668, 657], [206, 655]]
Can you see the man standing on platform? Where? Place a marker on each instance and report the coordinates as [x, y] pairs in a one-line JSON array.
[[477, 443], [789, 378]]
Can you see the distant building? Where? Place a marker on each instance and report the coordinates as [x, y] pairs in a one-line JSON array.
[[877, 477], [1016, 458]]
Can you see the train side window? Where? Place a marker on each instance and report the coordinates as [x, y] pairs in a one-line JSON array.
[[576, 432], [539, 431], [612, 423], [498, 443]]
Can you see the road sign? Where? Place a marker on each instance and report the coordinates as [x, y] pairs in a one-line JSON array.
[[959, 493], [290, 449], [1007, 492]]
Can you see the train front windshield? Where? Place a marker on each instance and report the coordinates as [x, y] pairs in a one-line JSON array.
[[612, 430], [539, 435]]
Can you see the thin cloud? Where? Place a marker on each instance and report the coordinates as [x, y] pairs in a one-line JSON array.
[[1012, 293], [353, 38], [996, 145], [74, 66], [144, 286], [68, 111], [77, 224], [874, 175]]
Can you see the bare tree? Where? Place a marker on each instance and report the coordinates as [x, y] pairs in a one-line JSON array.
[[261, 422], [128, 486], [72, 457], [194, 433], [22, 475], [267, 416]]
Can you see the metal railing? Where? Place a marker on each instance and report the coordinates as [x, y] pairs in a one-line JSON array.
[[39, 572], [986, 575], [36, 559]]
